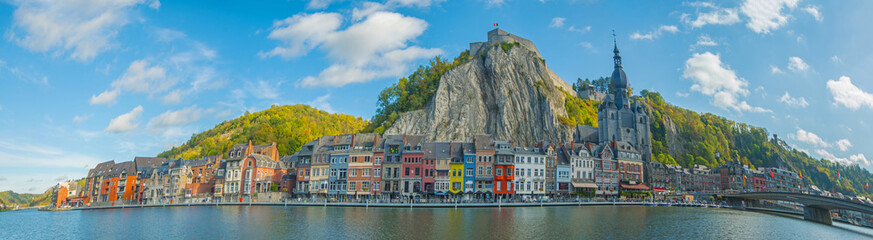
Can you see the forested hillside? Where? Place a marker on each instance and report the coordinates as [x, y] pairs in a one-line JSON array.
[[289, 126], [26, 199], [684, 137]]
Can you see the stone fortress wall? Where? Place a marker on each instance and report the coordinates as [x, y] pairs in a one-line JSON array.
[[499, 36]]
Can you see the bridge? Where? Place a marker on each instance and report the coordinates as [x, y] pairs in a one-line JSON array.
[[815, 208]]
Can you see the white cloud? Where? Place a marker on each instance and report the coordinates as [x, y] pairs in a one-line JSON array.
[[716, 16], [836, 59], [814, 11], [107, 97], [495, 3], [827, 155], [775, 70], [797, 64], [125, 122], [848, 95], [654, 34], [193, 65], [142, 78], [263, 89], [578, 30], [173, 97], [586, 45], [682, 94], [322, 103], [172, 119], [301, 33], [84, 28], [19, 153], [557, 22], [703, 41], [844, 144], [374, 47], [155, 5], [319, 4], [766, 15], [859, 159], [794, 102], [414, 3], [713, 78], [81, 118], [808, 137]]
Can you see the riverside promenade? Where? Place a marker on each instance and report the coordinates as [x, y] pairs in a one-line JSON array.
[[386, 205]]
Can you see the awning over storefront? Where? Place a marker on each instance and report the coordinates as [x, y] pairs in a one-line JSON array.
[[634, 186], [584, 185], [660, 189]]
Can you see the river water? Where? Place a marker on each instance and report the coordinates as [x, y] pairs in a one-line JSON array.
[[260, 222]]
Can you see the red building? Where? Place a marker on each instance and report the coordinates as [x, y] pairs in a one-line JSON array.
[[201, 176], [503, 179], [411, 167], [261, 173], [503, 168]]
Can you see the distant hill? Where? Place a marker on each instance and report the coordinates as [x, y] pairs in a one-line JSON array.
[[26, 199], [289, 126], [684, 137]]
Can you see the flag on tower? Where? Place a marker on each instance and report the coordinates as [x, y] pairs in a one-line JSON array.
[[495, 24]]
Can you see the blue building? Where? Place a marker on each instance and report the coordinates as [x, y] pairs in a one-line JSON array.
[[469, 168]]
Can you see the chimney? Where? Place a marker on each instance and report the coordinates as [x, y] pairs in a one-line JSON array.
[[353, 140], [319, 140], [404, 138]]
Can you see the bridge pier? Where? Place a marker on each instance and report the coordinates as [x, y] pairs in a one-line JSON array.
[[816, 214]]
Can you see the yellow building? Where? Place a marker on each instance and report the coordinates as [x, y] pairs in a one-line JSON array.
[[456, 177]]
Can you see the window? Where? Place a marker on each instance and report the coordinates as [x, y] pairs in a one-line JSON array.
[[353, 173], [352, 186], [498, 186], [366, 172], [480, 172], [417, 171], [488, 170], [499, 172], [469, 172], [407, 172], [376, 186]]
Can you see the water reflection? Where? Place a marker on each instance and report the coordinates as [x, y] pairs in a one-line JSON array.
[[258, 222]]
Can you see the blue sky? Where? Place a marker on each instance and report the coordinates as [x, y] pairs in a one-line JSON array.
[[87, 81]]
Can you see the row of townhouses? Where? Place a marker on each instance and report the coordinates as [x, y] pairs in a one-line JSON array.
[[371, 166]]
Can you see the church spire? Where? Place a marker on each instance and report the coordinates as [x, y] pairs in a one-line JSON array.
[[616, 58]]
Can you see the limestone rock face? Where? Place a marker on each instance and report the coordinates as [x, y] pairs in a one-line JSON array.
[[511, 95]]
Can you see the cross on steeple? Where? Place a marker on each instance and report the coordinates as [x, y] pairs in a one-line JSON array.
[[616, 58], [613, 37]]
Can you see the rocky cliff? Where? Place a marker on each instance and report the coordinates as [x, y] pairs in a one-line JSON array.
[[506, 91]]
